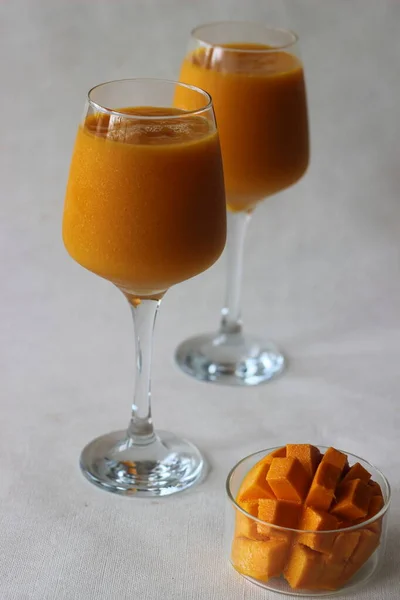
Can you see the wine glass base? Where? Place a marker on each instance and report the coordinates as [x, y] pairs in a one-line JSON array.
[[230, 359], [165, 466]]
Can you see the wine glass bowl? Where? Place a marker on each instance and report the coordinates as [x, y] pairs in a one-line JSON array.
[[138, 220]]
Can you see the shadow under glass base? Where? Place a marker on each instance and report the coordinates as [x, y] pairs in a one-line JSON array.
[[230, 359], [165, 466]]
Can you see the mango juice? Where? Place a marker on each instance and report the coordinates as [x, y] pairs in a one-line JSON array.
[[260, 104], [145, 202]]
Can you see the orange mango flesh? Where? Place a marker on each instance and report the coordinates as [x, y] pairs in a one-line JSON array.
[[322, 489], [301, 491], [258, 559], [278, 512], [317, 520], [288, 479], [353, 500], [308, 455], [375, 505], [303, 568], [343, 547], [336, 458], [357, 471], [376, 488], [255, 484], [367, 544], [278, 453], [245, 526]]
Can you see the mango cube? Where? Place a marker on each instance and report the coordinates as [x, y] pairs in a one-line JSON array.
[[317, 520], [278, 453], [376, 488], [278, 512], [288, 479], [259, 559], [353, 498], [375, 505], [308, 455], [322, 489], [368, 543], [330, 577], [336, 458], [303, 568], [255, 484], [343, 547], [357, 471], [246, 526], [366, 546]]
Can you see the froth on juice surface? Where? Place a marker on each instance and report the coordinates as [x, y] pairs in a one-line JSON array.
[[260, 103], [145, 202], [144, 129]]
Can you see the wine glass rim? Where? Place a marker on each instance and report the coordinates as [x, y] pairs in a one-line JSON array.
[[320, 532], [294, 36], [110, 111]]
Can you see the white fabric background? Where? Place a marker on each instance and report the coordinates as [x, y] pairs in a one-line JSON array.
[[322, 279]]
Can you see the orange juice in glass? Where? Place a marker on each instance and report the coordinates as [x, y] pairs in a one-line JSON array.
[[255, 77], [145, 177]]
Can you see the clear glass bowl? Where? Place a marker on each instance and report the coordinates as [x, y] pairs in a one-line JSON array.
[[317, 563]]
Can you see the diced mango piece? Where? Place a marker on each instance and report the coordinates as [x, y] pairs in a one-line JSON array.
[[336, 458], [357, 471], [255, 484], [308, 455], [317, 520], [288, 479], [278, 453], [259, 559], [330, 577], [368, 543], [343, 524], [278, 512], [246, 526], [353, 499], [366, 546], [333, 572], [322, 490], [376, 488], [343, 547], [375, 505], [303, 568]]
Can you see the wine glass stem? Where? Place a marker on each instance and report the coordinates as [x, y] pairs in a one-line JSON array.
[[237, 225], [144, 312]]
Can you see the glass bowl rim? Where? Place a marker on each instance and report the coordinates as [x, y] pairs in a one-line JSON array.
[[109, 111], [204, 43], [356, 527]]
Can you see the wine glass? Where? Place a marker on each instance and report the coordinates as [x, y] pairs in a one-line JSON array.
[[145, 209], [255, 77]]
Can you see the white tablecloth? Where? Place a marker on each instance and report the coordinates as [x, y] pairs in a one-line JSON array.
[[322, 279]]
